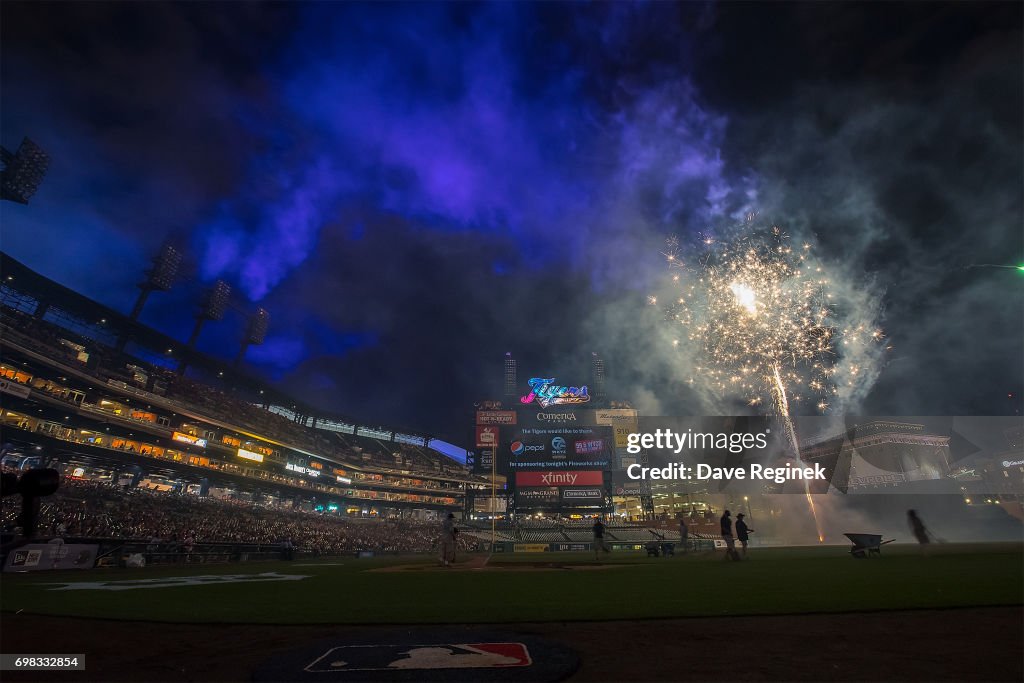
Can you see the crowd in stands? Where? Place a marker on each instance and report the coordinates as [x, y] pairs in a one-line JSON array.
[[38, 336], [106, 363], [84, 509]]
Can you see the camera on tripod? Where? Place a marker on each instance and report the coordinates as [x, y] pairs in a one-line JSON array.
[[32, 485]]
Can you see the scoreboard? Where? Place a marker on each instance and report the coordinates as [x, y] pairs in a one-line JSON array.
[[555, 457]]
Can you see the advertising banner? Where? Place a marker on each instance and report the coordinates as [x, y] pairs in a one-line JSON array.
[[578, 496], [541, 495], [556, 417], [485, 460], [495, 417], [14, 388], [629, 489], [622, 421], [189, 439], [249, 455], [487, 437], [531, 547], [42, 556], [558, 447], [560, 478], [585, 446]]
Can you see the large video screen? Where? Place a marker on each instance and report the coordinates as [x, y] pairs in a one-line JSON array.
[[558, 446]]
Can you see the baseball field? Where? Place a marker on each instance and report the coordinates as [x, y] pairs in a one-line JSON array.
[[531, 587], [953, 613]]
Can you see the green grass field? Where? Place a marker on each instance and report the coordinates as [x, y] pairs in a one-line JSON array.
[[511, 589]]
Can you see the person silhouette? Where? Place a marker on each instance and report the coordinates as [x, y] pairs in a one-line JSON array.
[[917, 527], [730, 541], [448, 532], [599, 544], [742, 532]]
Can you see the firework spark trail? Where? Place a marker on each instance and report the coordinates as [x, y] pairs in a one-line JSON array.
[[780, 389], [760, 322]]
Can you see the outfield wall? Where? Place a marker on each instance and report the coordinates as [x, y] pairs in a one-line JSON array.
[[620, 546]]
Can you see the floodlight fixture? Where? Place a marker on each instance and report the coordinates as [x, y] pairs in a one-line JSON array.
[[23, 171]]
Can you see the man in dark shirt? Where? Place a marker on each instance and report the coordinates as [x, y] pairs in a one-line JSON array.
[[742, 532], [730, 542], [599, 543]]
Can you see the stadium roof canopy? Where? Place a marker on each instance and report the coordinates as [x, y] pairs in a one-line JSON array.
[[106, 322]]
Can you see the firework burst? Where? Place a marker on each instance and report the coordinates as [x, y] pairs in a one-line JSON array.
[[758, 320], [757, 317]]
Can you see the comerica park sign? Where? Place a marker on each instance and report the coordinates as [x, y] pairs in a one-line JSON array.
[[546, 393]]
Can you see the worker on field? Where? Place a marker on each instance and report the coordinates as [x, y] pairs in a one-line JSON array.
[[599, 543], [917, 527], [742, 532], [730, 541], [448, 532], [684, 534], [188, 544]]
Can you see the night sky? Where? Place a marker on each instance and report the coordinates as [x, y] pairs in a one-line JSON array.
[[413, 190]]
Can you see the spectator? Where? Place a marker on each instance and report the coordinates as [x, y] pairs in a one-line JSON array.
[[742, 532], [102, 510], [730, 542]]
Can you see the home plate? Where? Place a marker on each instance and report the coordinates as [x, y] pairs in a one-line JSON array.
[[419, 654]]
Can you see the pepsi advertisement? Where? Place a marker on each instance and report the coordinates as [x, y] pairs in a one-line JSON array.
[[560, 447]]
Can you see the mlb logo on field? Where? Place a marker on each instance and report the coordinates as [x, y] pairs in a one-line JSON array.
[[410, 657]]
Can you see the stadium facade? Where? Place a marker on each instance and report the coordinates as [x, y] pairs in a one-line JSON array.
[[97, 394]]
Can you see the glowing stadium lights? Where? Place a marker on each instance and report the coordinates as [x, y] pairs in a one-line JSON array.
[[255, 332], [212, 307], [215, 301], [23, 171], [511, 375], [165, 268], [160, 277]]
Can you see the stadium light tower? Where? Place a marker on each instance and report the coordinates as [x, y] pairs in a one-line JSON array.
[[511, 372], [255, 332], [160, 277], [212, 307], [214, 304], [597, 375], [23, 171]]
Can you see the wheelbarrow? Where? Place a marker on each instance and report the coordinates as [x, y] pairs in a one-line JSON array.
[[864, 545]]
